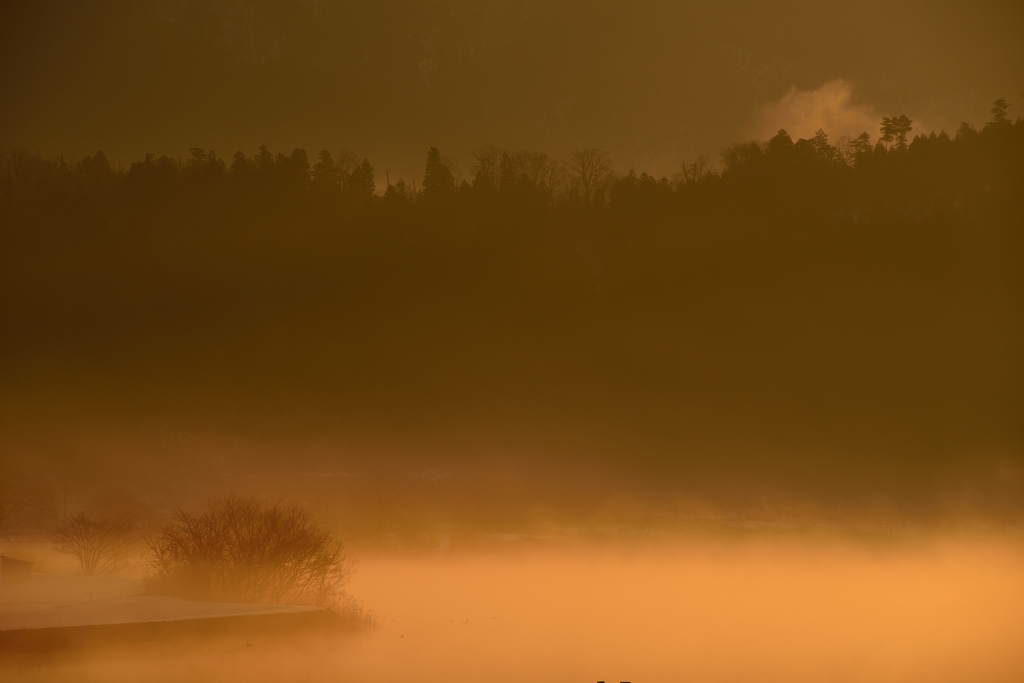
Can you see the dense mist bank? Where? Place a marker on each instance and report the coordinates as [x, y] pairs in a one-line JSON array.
[[716, 612], [813, 317]]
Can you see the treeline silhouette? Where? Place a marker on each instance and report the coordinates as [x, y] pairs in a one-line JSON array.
[[858, 299]]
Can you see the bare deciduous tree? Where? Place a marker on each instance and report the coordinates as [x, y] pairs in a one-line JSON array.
[[243, 550], [487, 166], [538, 169], [587, 172], [99, 545], [696, 172], [496, 167]]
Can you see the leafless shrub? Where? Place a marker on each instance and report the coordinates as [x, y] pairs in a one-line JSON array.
[[243, 550], [100, 545]]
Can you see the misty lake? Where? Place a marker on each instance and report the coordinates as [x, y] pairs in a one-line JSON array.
[[707, 611]]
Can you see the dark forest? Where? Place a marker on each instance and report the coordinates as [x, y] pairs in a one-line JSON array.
[[827, 317]]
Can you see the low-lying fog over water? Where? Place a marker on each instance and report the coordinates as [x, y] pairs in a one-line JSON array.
[[757, 609]]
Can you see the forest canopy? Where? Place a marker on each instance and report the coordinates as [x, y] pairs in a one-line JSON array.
[[855, 298]]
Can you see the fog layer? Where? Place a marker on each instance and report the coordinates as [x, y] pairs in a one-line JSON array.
[[767, 611]]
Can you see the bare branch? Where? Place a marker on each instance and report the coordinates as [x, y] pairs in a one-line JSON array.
[[242, 550]]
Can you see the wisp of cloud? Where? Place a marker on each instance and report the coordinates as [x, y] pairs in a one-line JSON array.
[[830, 108]]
